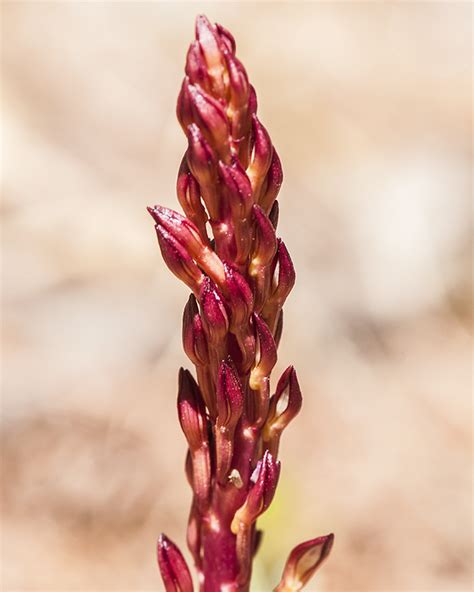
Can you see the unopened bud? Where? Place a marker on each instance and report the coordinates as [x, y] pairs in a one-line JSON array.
[[265, 480], [265, 241], [202, 163], [210, 117], [273, 183], [209, 41], [302, 563], [184, 107], [239, 297], [286, 275], [226, 37], [230, 398], [173, 567], [230, 402], [285, 404], [181, 228], [213, 310], [187, 235], [189, 196], [238, 188], [196, 67], [194, 336], [194, 423], [266, 356], [239, 83], [191, 411], [261, 156], [178, 259]]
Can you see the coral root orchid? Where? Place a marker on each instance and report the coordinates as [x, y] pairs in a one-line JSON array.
[[225, 249]]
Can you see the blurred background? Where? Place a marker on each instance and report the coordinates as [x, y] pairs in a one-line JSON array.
[[369, 106]]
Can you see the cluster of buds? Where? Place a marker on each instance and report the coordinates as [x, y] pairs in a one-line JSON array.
[[225, 249]]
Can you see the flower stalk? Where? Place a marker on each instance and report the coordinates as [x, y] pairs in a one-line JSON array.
[[225, 249]]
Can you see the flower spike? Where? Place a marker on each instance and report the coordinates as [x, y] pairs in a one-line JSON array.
[[224, 247]]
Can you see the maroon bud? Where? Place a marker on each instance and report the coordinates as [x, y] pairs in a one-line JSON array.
[[273, 183], [201, 157], [239, 297], [265, 241], [285, 404], [226, 37], [303, 561], [196, 67], [184, 232], [184, 108], [265, 480], [286, 275], [189, 196], [253, 104], [210, 43], [230, 403], [173, 567], [191, 411], [210, 117], [230, 398], [261, 156], [266, 356], [238, 81], [274, 214], [194, 336], [194, 423], [213, 311], [182, 229], [238, 188], [178, 259]]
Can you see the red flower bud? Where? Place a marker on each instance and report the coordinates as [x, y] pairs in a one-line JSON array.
[[261, 156], [194, 336], [253, 104], [184, 107], [226, 37], [272, 184], [210, 43], [238, 81], [203, 164], [173, 567], [191, 411], [303, 561], [178, 259], [265, 480], [266, 356], [265, 241], [189, 196], [230, 398], [196, 67], [238, 188], [210, 117], [285, 404], [213, 311], [194, 423], [182, 229], [239, 297], [286, 275], [230, 403]]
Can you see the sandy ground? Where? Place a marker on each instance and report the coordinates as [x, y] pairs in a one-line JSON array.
[[369, 106]]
